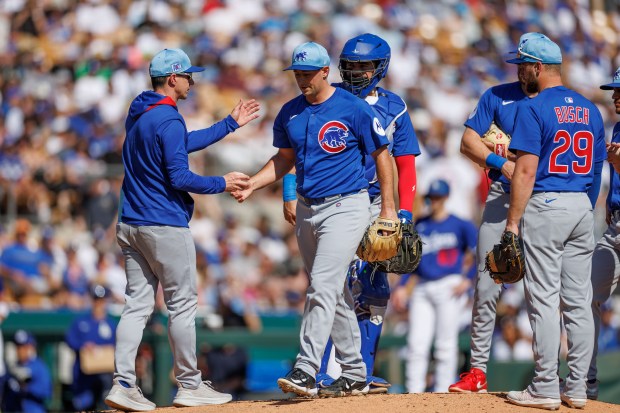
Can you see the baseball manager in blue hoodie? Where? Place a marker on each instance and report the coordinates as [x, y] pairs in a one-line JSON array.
[[153, 231]]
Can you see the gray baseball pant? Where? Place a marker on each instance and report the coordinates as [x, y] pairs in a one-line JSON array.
[[558, 235], [486, 292], [166, 255], [605, 276], [328, 235]]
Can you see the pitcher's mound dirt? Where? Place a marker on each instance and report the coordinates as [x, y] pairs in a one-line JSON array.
[[389, 403]]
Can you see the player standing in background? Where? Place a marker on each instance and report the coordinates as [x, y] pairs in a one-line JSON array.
[[438, 291], [364, 61], [325, 133], [559, 140], [497, 105], [86, 333], [606, 257], [29, 383], [152, 229]]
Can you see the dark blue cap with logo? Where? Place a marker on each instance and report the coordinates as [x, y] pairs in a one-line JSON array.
[[170, 61], [615, 82], [23, 337], [99, 291], [438, 188]]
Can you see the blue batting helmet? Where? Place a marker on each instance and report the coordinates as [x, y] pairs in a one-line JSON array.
[[364, 48]]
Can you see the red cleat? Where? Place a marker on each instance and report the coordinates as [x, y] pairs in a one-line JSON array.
[[474, 381]]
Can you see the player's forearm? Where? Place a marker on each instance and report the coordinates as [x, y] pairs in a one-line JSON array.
[[521, 189], [385, 175], [473, 147], [200, 139], [274, 169]]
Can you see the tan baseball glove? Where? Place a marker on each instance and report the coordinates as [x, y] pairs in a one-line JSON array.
[[381, 240], [498, 138], [408, 255]]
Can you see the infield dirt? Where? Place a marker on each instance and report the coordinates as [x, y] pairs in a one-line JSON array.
[[388, 403]]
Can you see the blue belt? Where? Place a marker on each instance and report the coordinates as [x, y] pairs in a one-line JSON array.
[[318, 201]]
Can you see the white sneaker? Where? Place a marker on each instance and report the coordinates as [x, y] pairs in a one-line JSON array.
[[573, 401], [525, 398], [204, 394], [129, 399], [592, 389]]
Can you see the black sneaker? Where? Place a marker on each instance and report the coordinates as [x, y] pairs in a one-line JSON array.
[[344, 387], [299, 382]]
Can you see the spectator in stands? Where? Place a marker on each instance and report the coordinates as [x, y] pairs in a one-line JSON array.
[[92, 335], [510, 345], [4, 312], [29, 385], [75, 281], [25, 268], [54, 255]]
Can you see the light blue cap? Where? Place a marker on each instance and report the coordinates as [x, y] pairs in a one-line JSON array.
[[537, 48], [438, 188], [170, 61], [615, 82], [527, 36], [309, 56]]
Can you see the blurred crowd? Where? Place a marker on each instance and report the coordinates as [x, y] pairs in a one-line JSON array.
[[69, 69]]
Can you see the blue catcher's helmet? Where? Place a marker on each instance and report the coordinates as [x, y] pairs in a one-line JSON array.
[[364, 48]]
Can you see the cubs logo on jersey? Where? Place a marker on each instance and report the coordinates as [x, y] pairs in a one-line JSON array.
[[332, 136]]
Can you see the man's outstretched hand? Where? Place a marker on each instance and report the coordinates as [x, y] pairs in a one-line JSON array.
[[245, 112]]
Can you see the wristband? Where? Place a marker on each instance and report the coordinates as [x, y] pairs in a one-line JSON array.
[[289, 187], [404, 215], [495, 161]]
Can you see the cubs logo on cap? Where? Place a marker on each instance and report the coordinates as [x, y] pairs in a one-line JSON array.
[[332, 137], [309, 56], [615, 82]]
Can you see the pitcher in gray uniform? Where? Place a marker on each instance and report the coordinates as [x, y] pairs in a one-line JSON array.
[[327, 145], [559, 140]]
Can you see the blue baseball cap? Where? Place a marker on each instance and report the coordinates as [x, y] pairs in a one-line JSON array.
[[615, 82], [23, 337], [535, 48], [309, 56], [170, 61], [438, 188], [99, 291]]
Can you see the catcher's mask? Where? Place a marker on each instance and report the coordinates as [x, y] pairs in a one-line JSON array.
[[363, 48]]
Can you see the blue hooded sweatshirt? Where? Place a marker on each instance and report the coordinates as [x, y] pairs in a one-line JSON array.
[[155, 156]]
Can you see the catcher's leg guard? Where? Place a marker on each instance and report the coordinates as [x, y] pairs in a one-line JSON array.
[[371, 303], [370, 327]]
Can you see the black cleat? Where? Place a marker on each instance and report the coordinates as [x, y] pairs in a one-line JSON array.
[[344, 387], [299, 382]]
